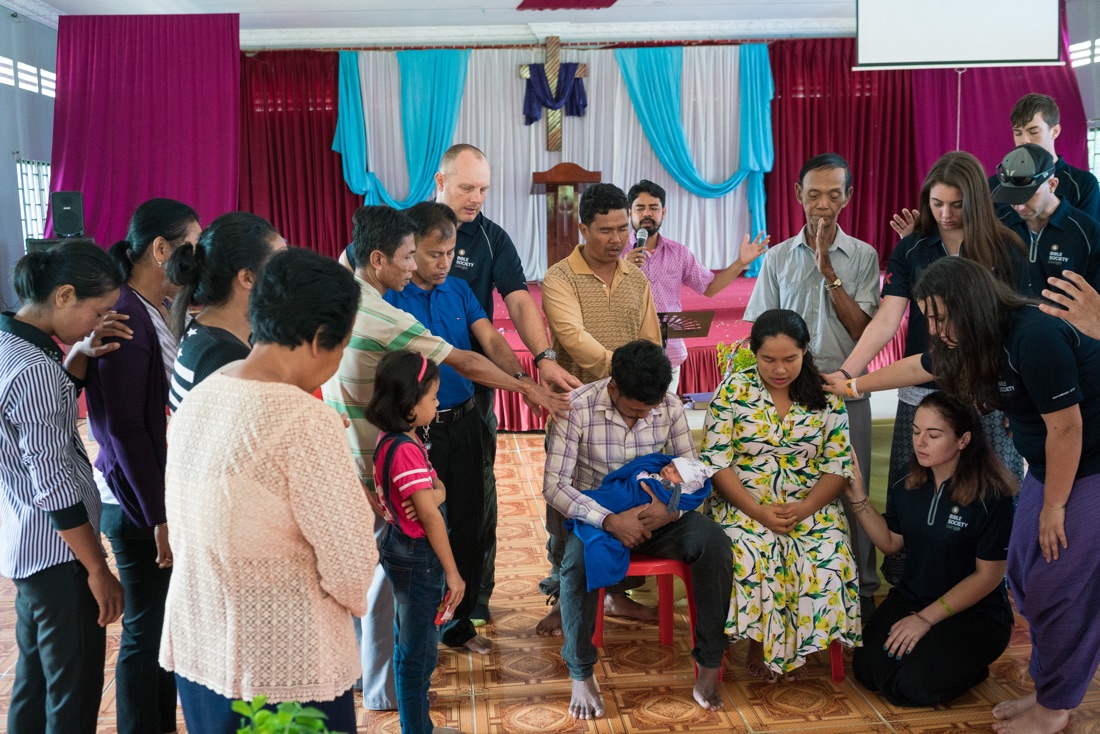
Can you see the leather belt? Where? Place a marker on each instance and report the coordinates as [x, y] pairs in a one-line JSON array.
[[450, 415]]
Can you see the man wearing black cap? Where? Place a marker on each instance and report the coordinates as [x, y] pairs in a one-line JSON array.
[[1059, 236]]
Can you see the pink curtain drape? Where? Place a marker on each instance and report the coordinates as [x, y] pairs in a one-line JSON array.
[[988, 95], [147, 106]]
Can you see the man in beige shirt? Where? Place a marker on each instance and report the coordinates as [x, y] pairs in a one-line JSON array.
[[595, 302]]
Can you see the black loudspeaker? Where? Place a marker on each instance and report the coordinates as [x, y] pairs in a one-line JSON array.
[[68, 213]]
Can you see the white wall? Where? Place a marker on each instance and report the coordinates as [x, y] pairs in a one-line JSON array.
[[26, 130]]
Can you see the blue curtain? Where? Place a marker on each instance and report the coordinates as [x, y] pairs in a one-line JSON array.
[[653, 79], [432, 83]]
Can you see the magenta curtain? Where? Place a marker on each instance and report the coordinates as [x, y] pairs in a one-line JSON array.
[[987, 99], [822, 106], [147, 106]]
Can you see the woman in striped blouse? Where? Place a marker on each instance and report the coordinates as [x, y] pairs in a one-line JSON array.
[[49, 504]]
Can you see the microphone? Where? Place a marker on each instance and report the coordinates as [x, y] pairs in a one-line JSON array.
[[643, 235]]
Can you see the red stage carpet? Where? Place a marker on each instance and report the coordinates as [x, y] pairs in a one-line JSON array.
[[700, 371]]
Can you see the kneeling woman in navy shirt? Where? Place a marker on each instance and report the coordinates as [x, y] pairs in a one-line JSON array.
[[994, 348], [948, 618]]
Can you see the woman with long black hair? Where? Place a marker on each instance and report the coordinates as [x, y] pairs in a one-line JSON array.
[[994, 348], [127, 398], [783, 449]]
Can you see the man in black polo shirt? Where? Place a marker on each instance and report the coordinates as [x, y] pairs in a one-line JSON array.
[[1059, 236], [1036, 119], [486, 259]]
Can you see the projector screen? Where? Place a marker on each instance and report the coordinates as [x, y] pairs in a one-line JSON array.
[[950, 33]]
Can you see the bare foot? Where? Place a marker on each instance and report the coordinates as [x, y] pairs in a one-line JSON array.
[[706, 689], [479, 644], [621, 605], [1008, 709], [550, 625], [1037, 719], [754, 661], [794, 675], [586, 703]]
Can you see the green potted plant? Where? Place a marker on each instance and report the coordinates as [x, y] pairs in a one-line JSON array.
[[289, 717], [735, 357]]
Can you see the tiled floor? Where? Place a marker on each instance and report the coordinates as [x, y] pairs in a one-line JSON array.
[[523, 686]]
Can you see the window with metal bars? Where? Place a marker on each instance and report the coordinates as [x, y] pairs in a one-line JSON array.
[[1094, 147], [34, 193]]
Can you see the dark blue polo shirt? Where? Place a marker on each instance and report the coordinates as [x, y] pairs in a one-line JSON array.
[[1075, 185], [447, 311], [907, 263], [1069, 241], [944, 539], [486, 258], [1048, 366]]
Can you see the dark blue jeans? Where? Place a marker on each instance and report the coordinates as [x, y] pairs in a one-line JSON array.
[[145, 693], [694, 539], [59, 675], [416, 576], [210, 713]]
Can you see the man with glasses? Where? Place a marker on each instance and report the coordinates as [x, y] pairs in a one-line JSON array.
[[1058, 235], [613, 421]]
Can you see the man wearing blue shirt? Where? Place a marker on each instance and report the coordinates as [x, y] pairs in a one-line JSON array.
[[458, 439]]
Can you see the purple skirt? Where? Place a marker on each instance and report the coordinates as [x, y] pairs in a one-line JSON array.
[[1061, 599]]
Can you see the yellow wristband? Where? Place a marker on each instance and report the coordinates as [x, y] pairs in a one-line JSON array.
[[946, 608]]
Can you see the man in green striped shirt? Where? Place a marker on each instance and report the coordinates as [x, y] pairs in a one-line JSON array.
[[383, 243]]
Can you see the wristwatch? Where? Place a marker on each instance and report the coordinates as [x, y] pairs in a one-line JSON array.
[[834, 285], [520, 375], [549, 354]]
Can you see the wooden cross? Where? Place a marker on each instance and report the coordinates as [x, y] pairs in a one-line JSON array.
[[553, 63]]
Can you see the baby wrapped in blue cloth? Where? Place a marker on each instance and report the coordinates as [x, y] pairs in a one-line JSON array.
[[682, 484]]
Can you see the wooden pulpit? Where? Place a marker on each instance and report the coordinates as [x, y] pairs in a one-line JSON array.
[[562, 185]]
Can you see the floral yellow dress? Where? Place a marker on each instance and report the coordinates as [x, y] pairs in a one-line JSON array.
[[793, 593]]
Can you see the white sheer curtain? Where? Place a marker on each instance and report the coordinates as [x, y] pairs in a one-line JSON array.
[[608, 139]]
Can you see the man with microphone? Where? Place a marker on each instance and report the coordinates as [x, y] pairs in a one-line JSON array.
[[669, 264]]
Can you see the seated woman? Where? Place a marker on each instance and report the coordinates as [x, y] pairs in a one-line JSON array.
[[948, 619], [270, 523], [783, 445]]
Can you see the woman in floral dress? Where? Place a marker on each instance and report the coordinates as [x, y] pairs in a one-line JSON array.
[[783, 445]]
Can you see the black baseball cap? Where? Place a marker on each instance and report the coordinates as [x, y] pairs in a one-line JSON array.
[[1022, 172]]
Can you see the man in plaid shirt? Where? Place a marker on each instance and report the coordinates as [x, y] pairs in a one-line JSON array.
[[613, 421]]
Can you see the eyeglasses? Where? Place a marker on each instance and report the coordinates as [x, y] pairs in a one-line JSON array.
[[1005, 177]]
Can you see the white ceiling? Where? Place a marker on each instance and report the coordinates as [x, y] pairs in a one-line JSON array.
[[349, 23]]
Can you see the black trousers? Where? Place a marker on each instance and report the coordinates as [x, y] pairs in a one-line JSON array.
[[486, 406], [948, 661], [59, 676], [145, 693], [459, 452]]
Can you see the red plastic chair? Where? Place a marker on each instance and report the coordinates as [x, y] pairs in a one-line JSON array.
[[836, 660], [664, 569]]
